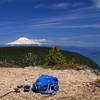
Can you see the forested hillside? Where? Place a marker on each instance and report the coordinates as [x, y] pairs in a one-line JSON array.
[[26, 56]]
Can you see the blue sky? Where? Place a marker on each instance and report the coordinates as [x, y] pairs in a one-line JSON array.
[[61, 22]]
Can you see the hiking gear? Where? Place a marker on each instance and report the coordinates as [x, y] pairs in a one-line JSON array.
[[46, 84], [27, 88], [19, 86], [98, 85], [16, 90]]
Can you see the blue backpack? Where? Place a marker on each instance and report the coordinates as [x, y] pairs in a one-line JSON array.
[[46, 85]]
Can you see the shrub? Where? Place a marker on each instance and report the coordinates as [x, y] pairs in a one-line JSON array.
[[55, 57]]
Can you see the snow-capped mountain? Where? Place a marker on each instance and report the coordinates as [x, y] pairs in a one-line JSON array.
[[27, 41]]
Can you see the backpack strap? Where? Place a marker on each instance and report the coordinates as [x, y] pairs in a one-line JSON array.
[[50, 89]]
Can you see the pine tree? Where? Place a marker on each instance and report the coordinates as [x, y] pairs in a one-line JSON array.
[[55, 57]]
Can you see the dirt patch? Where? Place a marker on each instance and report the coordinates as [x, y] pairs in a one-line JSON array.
[[74, 85]]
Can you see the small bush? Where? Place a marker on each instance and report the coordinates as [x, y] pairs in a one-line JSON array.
[[55, 57]]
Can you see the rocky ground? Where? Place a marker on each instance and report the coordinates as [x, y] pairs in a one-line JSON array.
[[74, 85]]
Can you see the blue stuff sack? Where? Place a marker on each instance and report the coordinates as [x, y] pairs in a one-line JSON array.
[[46, 84]]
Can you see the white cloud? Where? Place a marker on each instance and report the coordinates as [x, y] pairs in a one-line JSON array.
[[96, 3], [38, 6], [85, 40], [62, 5], [62, 25], [80, 26], [61, 21], [45, 24]]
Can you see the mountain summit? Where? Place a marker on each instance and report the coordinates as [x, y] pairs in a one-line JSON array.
[[27, 41]]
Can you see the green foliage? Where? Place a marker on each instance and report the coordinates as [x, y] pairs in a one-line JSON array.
[[27, 56], [55, 57], [73, 61]]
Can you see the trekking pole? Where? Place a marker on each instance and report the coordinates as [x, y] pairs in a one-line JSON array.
[[16, 90], [6, 94]]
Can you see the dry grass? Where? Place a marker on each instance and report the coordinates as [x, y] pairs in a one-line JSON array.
[[97, 81], [74, 85]]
